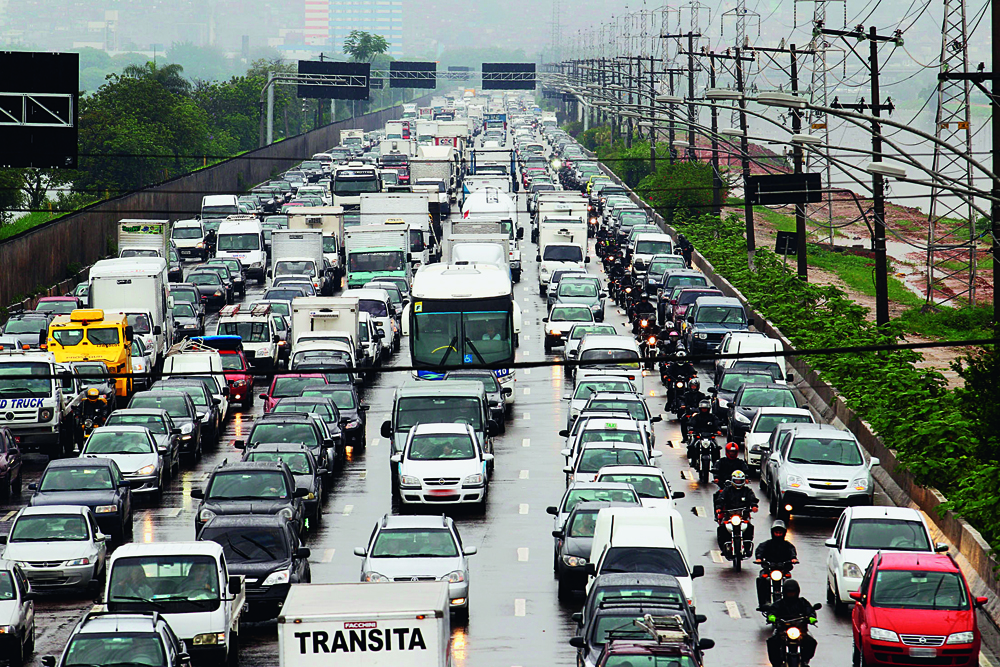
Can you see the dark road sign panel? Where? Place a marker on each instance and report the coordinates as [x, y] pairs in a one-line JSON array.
[[775, 189], [412, 74], [39, 109], [334, 80], [509, 76]]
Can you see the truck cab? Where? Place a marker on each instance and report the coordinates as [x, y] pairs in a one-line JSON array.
[[90, 334], [562, 244], [242, 237], [255, 327], [40, 414]]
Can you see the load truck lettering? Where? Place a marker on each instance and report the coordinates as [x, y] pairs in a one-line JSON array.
[[373, 640]]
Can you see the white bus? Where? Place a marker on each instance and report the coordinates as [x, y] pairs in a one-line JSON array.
[[462, 315], [350, 180]]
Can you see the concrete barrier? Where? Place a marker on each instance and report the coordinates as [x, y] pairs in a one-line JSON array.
[[39, 257]]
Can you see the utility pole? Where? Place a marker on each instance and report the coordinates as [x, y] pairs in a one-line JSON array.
[[652, 116], [745, 160], [878, 181], [692, 111], [716, 175]]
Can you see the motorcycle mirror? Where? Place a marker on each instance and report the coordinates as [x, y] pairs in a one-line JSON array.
[[700, 618], [817, 606]]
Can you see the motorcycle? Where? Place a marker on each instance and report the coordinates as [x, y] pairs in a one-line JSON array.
[[93, 411], [775, 573], [735, 522], [793, 630], [649, 349], [707, 452]]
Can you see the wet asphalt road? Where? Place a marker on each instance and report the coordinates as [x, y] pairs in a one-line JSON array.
[[516, 619]]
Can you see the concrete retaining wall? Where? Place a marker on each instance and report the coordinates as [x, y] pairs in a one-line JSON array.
[[38, 258]]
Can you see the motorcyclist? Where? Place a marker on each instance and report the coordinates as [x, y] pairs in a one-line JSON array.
[[672, 340], [678, 370], [775, 551], [686, 249], [702, 422], [791, 606], [617, 270], [690, 401], [643, 310], [736, 495], [732, 462]]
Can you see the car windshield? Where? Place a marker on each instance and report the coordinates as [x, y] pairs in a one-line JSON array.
[[49, 528], [204, 278], [319, 408], [767, 423], [675, 281], [908, 589], [653, 247], [184, 309], [588, 387], [168, 583], [767, 397], [732, 381], [247, 485], [81, 478], [185, 294], [175, 406], [720, 315], [415, 543], [613, 356], [250, 332], [562, 253], [438, 447], [431, 409], [248, 545], [373, 307], [140, 650], [139, 323], [302, 433], [57, 307], [21, 386], [25, 325], [883, 533], [582, 524], [238, 242], [388, 260], [647, 486], [594, 458], [579, 332], [67, 337], [343, 399], [659, 266], [196, 392], [638, 592], [655, 560], [294, 268], [118, 442], [297, 462], [292, 386], [232, 362], [630, 660], [571, 314], [154, 423], [637, 409], [6, 586], [610, 434], [577, 289], [186, 233], [825, 451]]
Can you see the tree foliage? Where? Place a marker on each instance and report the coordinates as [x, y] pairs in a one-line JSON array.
[[363, 46]]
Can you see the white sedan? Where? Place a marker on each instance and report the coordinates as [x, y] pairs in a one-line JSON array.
[[443, 464]]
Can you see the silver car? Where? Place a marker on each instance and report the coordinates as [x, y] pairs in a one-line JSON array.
[[137, 454], [419, 548], [577, 333], [58, 547], [17, 612]]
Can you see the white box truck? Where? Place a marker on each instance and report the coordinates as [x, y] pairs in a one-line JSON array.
[[300, 251], [136, 284], [329, 220], [411, 209], [435, 163], [327, 313], [143, 238], [562, 244], [376, 250], [403, 624], [353, 139]]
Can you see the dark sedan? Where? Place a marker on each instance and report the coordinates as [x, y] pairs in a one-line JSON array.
[[94, 483], [327, 411], [188, 323], [250, 488], [211, 287], [353, 415], [729, 384], [10, 465], [182, 411], [573, 543], [235, 271], [294, 427], [750, 398], [267, 552], [225, 274], [307, 474]]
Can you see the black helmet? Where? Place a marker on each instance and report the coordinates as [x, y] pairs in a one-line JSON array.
[[695, 384], [644, 296], [791, 589], [704, 405], [778, 529]]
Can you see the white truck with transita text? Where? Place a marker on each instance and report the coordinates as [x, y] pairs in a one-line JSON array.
[[37, 408]]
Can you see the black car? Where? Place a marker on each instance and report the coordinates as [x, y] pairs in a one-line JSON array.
[[188, 322], [236, 270], [175, 271], [31, 327], [189, 293], [206, 404], [495, 394], [94, 483], [227, 277], [182, 411], [254, 487], [303, 465], [729, 383], [283, 293], [267, 552], [10, 465], [211, 287], [353, 415], [327, 411], [108, 638], [573, 543], [750, 398], [619, 614], [294, 427]]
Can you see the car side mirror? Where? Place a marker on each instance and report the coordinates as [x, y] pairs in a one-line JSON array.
[[545, 319], [558, 534], [216, 401], [697, 571], [470, 551], [492, 428], [941, 547], [586, 260], [750, 322], [568, 470], [705, 644], [520, 233], [655, 454], [980, 601], [3, 539], [565, 452], [48, 661], [488, 457], [691, 320], [396, 458], [591, 569], [235, 584], [361, 552], [855, 595], [507, 391], [300, 493], [576, 642], [32, 486], [577, 617], [655, 418], [603, 295], [225, 391], [552, 509], [713, 391], [790, 378], [564, 433], [197, 493], [677, 494], [874, 462], [101, 537], [700, 618], [240, 444]]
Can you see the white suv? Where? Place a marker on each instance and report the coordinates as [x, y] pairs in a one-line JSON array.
[[443, 464], [817, 467]]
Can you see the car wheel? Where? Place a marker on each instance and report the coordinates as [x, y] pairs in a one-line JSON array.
[[565, 592], [5, 489], [29, 645], [158, 494], [857, 660], [772, 505], [18, 484], [548, 348], [462, 613]]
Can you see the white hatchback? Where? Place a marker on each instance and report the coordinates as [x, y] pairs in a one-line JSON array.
[[443, 464]]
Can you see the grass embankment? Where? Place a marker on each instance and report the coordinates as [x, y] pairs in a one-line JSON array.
[[27, 222]]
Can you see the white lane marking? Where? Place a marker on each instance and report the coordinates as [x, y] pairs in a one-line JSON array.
[[687, 474], [522, 555], [348, 509], [523, 507], [523, 475], [527, 337], [699, 510], [716, 556], [527, 371], [327, 555], [374, 442], [526, 442], [526, 353], [9, 515], [527, 390], [527, 299], [732, 609], [363, 474], [519, 607], [173, 512], [527, 415]]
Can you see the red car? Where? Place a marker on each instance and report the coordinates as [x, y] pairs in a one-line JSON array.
[[239, 375], [915, 609], [290, 384], [59, 305]]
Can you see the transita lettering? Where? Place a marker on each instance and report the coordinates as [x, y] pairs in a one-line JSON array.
[[390, 639]]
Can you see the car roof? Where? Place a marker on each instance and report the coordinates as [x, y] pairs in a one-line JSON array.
[[823, 430], [718, 301], [622, 423], [117, 623], [598, 485], [770, 410], [608, 340], [122, 428], [425, 428], [636, 579], [884, 512], [902, 560], [440, 388], [613, 444], [79, 462], [631, 470], [53, 509], [765, 385], [249, 466], [244, 520], [390, 521], [597, 505], [615, 396]]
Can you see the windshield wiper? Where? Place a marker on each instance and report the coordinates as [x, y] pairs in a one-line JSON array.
[[451, 348], [135, 598], [473, 348], [183, 598], [237, 549], [259, 546]]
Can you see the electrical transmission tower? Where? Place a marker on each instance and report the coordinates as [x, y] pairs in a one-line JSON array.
[[951, 243], [556, 32], [742, 16]]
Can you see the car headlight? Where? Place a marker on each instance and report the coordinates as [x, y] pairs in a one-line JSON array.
[[794, 481], [860, 484], [7, 630], [146, 470], [409, 480], [574, 561], [544, 270], [105, 509], [275, 578], [723, 403], [209, 639], [455, 577], [375, 577], [884, 635], [354, 423], [701, 336], [961, 638], [77, 562], [473, 479], [851, 571], [554, 332], [205, 515], [45, 414], [286, 512]]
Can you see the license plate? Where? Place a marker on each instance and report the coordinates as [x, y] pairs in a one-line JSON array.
[[441, 492], [922, 652]]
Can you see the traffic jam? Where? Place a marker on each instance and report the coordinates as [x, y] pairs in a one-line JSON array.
[[444, 394]]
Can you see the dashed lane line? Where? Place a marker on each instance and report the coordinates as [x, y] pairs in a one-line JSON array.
[[363, 474], [732, 609], [9, 515], [526, 442], [700, 511], [348, 509], [520, 607], [716, 556], [523, 507], [522, 555], [523, 475]]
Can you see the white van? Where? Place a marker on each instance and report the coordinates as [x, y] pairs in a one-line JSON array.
[[748, 342], [242, 237], [378, 305], [217, 207], [189, 239], [188, 359], [635, 532]]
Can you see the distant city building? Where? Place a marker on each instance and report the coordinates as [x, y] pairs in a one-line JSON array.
[[329, 22]]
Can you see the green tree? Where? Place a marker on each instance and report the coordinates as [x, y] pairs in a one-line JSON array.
[[363, 46], [232, 108], [11, 194], [170, 77]]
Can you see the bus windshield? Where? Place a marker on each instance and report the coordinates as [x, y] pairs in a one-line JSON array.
[[458, 338]]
